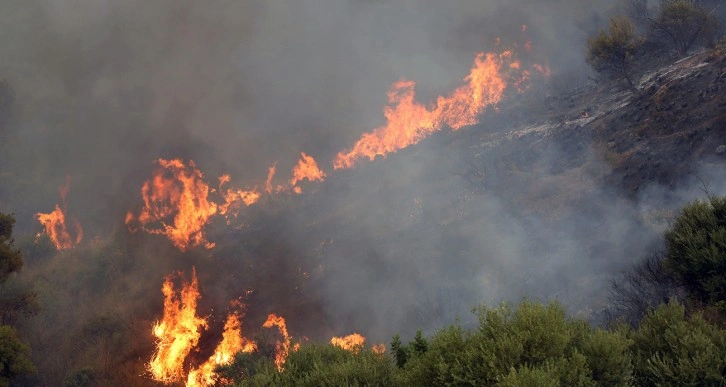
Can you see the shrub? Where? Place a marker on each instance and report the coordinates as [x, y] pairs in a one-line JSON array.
[[14, 356], [671, 349], [611, 53], [683, 24], [696, 250]]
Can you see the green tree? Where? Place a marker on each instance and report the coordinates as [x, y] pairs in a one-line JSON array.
[[10, 259], [683, 24], [645, 286], [670, 349], [611, 53], [14, 356], [696, 250], [533, 343]]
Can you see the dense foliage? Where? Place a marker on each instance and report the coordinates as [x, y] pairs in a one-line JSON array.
[[530, 344], [14, 354], [696, 250]]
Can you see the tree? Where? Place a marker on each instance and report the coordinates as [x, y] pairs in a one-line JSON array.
[[14, 356], [10, 259], [532, 344], [671, 349], [639, 11], [645, 286], [684, 24], [696, 250], [612, 53]]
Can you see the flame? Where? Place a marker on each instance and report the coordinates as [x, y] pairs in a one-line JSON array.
[[282, 348], [543, 69], [268, 182], [379, 349], [408, 121], [234, 198], [178, 332], [129, 220], [232, 343], [176, 204], [55, 224], [306, 168], [353, 342]]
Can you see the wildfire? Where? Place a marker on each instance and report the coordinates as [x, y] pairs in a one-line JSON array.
[[232, 342], [353, 342], [408, 121], [55, 224], [178, 332], [282, 349]]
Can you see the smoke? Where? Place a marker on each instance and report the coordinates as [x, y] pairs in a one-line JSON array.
[[104, 88]]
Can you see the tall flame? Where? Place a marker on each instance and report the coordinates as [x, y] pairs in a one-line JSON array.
[[176, 204], [282, 349], [178, 332], [232, 343], [408, 121], [353, 342], [55, 223]]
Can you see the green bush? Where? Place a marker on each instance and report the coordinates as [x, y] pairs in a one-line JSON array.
[[671, 349], [14, 356], [611, 53], [696, 250], [533, 343], [314, 365]]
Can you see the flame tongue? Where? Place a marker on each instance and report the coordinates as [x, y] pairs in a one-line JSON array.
[[409, 121], [55, 224], [306, 168], [176, 204], [282, 349], [232, 343], [353, 342], [234, 198], [178, 332]]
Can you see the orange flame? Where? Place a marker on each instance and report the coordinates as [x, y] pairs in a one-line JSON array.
[[282, 349], [408, 121], [353, 342], [379, 349], [176, 204], [306, 168], [232, 343], [268, 182], [178, 332], [234, 198], [55, 224]]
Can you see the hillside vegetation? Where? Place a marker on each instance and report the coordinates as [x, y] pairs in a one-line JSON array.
[[550, 173]]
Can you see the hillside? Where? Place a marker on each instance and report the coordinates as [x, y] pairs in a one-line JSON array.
[[550, 196]]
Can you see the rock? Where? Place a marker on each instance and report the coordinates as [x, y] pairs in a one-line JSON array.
[[721, 149]]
